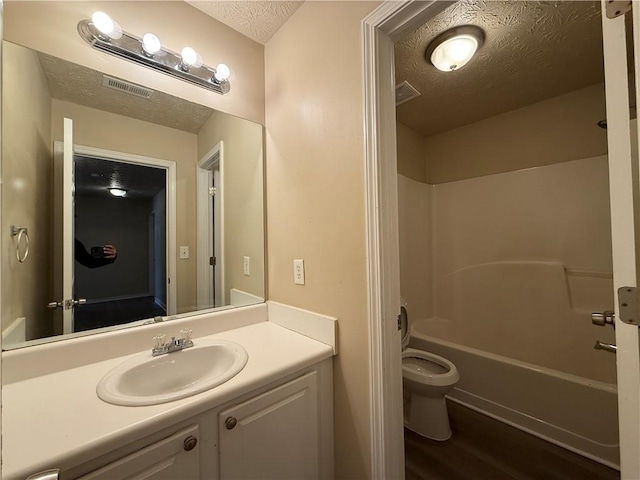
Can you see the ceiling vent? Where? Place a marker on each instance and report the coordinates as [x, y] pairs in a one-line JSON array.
[[126, 87], [405, 92]]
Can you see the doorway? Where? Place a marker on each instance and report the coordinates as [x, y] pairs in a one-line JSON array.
[[120, 251], [211, 220], [388, 24]]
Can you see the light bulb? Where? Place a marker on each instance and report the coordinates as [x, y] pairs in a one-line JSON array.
[[189, 56], [103, 23], [222, 72], [106, 26], [118, 192], [151, 44]]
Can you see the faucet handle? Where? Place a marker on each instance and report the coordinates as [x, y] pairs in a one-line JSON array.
[[185, 335], [159, 340]]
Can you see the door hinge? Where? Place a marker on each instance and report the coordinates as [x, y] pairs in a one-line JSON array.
[[615, 8], [212, 191], [629, 303], [212, 261]]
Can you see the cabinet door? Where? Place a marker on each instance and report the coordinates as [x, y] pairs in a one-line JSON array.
[[175, 457], [272, 436]]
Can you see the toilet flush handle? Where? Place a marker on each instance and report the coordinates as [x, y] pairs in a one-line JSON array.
[[403, 318]]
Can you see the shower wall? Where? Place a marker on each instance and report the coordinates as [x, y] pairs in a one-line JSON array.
[[513, 262]]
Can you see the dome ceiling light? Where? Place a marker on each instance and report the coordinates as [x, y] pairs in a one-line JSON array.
[[453, 48]]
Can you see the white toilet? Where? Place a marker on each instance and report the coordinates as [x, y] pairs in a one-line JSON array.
[[426, 378]]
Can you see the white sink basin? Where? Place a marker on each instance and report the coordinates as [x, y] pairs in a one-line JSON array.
[[148, 380]]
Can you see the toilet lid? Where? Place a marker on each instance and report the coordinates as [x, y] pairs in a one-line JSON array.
[[404, 326]]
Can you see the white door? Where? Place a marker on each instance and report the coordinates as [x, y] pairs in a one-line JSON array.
[[623, 230], [68, 234], [64, 247]]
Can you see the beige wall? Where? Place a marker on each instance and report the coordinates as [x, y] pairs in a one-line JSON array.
[[411, 153], [96, 128], [315, 196], [26, 160], [556, 130], [51, 27], [243, 197]]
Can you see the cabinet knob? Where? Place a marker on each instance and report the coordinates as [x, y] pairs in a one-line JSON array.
[[190, 443], [230, 423]]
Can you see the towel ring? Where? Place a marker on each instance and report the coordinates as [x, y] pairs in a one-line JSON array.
[[21, 233]]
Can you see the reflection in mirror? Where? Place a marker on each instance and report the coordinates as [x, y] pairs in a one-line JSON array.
[[137, 204]]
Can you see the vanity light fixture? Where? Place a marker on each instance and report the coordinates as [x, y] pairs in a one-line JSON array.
[[105, 35], [452, 49], [118, 192]]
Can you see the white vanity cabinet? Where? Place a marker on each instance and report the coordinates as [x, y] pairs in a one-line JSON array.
[[273, 436], [281, 431]]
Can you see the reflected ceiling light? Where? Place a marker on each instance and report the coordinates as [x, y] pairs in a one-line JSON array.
[[105, 35], [151, 44], [118, 192], [452, 49]]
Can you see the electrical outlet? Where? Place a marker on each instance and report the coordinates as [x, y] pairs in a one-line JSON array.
[[247, 266], [184, 252], [298, 272]]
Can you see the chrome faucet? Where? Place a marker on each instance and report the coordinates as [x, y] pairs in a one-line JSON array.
[[161, 347]]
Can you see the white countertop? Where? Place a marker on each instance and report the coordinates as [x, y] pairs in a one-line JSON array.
[[53, 417]]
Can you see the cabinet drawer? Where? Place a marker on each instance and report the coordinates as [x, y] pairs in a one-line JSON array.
[[175, 457]]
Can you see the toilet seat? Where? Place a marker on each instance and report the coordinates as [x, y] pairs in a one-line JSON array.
[[418, 374]]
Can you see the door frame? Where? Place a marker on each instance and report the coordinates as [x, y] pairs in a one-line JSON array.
[[211, 162], [171, 177], [385, 25], [621, 180]]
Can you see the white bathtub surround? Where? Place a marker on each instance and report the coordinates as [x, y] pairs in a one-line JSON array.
[[52, 416], [514, 263], [310, 324], [570, 411]]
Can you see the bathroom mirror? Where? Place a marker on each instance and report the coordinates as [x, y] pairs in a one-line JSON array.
[[172, 189]]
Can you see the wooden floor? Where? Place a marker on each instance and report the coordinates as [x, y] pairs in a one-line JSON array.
[[107, 314], [482, 448]]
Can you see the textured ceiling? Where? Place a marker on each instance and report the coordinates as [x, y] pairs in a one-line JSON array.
[[256, 19], [93, 177], [533, 50], [77, 84]]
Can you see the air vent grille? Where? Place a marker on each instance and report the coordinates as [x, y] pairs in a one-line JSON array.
[[405, 92], [126, 87]]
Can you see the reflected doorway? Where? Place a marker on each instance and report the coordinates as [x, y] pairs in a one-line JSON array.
[[120, 254]]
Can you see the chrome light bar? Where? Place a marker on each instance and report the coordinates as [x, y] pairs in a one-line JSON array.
[[129, 47]]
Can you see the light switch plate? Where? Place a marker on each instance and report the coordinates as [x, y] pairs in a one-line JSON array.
[[184, 252], [247, 265], [298, 272]]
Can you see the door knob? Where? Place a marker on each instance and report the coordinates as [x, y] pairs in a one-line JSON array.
[[54, 305], [605, 318], [607, 347], [69, 304]]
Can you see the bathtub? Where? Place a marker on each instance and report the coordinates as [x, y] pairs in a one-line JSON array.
[[578, 414]]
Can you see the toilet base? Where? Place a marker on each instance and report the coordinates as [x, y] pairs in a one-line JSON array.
[[428, 417]]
